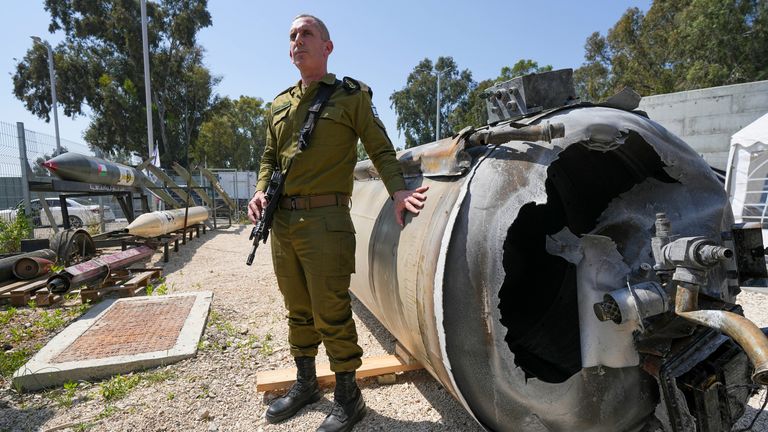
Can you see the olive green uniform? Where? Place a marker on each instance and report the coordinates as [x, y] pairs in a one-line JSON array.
[[313, 250]]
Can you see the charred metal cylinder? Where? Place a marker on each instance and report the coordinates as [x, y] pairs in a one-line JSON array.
[[492, 286], [96, 268], [31, 267], [8, 264]]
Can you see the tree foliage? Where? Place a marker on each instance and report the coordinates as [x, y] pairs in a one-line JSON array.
[[416, 104], [99, 64], [234, 135], [677, 45]]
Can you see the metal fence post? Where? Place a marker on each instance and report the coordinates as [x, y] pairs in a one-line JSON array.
[[25, 171]]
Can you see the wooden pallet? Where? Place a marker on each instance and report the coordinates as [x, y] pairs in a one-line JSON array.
[[127, 286], [43, 297], [20, 292], [401, 361]]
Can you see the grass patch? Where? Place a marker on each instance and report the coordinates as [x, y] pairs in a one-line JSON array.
[[51, 321], [65, 396], [12, 361], [118, 387], [7, 316], [158, 376], [266, 345]]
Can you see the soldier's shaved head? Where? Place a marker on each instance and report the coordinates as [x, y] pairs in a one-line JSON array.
[[324, 34]]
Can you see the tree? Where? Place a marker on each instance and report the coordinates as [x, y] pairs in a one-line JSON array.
[[416, 103], [234, 135], [100, 65], [474, 112], [678, 45]]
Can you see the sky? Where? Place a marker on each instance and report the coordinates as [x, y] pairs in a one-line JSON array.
[[378, 43]]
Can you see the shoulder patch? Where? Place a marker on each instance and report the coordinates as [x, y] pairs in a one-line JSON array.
[[277, 108], [352, 85]]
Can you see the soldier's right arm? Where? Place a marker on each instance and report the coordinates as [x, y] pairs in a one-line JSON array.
[[269, 158]]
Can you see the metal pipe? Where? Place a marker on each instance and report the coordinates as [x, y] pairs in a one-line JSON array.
[[7, 264], [743, 331], [96, 268], [31, 267], [499, 135]]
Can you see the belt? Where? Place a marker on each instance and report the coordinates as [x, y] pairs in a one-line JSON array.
[[313, 201]]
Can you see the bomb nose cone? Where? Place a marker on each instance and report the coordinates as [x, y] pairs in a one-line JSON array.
[[50, 165]]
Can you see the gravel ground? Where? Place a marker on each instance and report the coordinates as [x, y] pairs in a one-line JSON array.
[[247, 333]]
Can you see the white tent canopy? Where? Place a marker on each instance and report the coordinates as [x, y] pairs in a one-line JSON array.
[[747, 172]]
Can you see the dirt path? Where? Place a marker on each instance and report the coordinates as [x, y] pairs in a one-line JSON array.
[[246, 333]]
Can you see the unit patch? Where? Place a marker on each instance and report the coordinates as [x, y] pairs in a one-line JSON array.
[[373, 108]]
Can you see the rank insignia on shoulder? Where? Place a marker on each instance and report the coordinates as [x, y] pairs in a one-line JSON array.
[[375, 113], [350, 85]]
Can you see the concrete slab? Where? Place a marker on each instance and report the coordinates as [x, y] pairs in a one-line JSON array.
[[120, 336]]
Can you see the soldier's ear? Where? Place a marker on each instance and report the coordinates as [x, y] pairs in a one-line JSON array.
[[328, 47]]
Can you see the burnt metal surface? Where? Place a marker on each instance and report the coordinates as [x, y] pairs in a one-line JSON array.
[[7, 264], [492, 286], [529, 94], [96, 268]]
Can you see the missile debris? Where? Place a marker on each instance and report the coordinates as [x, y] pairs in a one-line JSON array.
[[8, 264], [162, 222], [527, 233], [31, 267], [88, 169], [96, 268]]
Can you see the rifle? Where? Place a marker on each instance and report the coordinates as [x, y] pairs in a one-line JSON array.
[[260, 232]]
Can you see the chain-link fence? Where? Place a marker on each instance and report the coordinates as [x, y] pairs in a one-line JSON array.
[[39, 147]]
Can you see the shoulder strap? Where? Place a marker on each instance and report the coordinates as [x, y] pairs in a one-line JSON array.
[[324, 93]]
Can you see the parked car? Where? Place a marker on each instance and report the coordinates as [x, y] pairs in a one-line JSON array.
[[81, 212]]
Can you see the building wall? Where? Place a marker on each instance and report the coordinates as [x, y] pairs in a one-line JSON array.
[[706, 118]]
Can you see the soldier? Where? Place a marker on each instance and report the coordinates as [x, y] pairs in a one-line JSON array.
[[313, 239]]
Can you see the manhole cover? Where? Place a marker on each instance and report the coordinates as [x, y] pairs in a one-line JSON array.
[[131, 328]]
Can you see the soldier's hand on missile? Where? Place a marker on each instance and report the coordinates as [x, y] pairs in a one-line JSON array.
[[257, 204], [411, 200]]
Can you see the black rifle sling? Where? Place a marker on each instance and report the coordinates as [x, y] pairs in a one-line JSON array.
[[324, 93]]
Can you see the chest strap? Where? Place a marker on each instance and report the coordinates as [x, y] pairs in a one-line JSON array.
[[324, 93]]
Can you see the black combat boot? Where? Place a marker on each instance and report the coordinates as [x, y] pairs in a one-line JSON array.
[[348, 405], [303, 392]]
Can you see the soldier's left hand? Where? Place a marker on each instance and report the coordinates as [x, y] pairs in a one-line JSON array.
[[411, 200]]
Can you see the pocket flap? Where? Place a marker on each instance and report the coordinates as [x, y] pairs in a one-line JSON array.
[[343, 224]]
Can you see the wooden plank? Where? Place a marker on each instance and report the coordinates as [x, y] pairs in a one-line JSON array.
[[372, 366], [19, 283], [220, 190], [180, 170], [142, 279], [169, 183], [30, 286]]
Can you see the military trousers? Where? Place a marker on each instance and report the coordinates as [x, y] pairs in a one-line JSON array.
[[313, 252]]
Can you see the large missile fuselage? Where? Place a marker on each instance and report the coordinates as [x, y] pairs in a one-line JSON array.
[[163, 222], [492, 285], [88, 169]]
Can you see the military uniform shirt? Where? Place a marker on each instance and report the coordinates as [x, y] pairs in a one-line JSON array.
[[327, 165]]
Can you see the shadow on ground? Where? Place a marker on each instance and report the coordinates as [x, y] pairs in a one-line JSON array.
[[29, 419], [454, 416]]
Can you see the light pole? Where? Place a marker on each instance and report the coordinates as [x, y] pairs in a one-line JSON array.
[[437, 111], [147, 89], [53, 90]]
